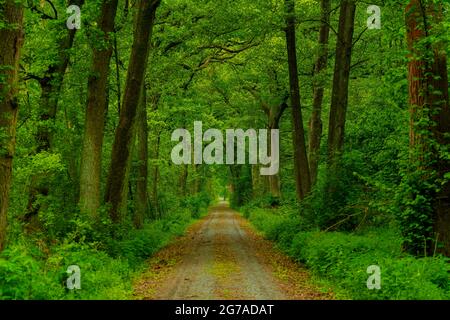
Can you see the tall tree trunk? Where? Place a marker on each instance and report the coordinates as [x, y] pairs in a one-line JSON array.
[[428, 99], [184, 174], [155, 178], [141, 207], [11, 37], [339, 97], [51, 85], [91, 158], [274, 114], [124, 132], [258, 184], [301, 166], [241, 184], [196, 178], [155, 156], [315, 123]]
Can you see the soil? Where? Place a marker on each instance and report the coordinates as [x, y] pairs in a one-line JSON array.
[[223, 257]]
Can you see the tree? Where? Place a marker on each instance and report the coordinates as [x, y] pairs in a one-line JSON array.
[[301, 166], [116, 185], [97, 102], [429, 113], [273, 113], [315, 122], [51, 83], [11, 37], [339, 96], [142, 203], [155, 143]]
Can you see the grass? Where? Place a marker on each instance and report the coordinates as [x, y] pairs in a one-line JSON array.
[[341, 259], [108, 269]]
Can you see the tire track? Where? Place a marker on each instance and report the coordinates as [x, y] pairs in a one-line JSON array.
[[224, 259]]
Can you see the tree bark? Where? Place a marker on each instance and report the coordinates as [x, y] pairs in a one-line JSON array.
[[301, 166], [156, 212], [184, 174], [155, 169], [196, 178], [124, 132], [97, 101], [339, 98], [315, 122], [274, 114], [51, 84], [258, 184], [141, 207], [429, 99], [11, 38]]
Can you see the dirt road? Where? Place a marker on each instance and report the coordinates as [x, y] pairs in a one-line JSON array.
[[221, 257]]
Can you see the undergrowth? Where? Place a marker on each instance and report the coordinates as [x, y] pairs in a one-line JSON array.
[[342, 258], [37, 269]]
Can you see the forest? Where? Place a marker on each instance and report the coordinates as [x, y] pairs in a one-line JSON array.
[[120, 177]]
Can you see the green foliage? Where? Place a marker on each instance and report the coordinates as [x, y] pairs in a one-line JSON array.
[[107, 267], [205, 57], [334, 202], [197, 203], [414, 212], [141, 244], [266, 201], [242, 183], [101, 275], [343, 259], [22, 275]]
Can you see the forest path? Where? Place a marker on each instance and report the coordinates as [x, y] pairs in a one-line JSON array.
[[221, 257]]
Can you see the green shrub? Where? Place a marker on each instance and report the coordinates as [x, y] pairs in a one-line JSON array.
[[23, 276], [197, 204], [141, 244], [343, 259], [102, 276], [414, 211], [107, 266]]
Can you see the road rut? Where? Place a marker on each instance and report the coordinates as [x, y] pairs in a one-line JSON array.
[[221, 257]]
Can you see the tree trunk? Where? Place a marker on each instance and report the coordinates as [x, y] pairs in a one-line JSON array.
[[11, 37], [274, 185], [301, 166], [141, 207], [155, 156], [155, 177], [183, 180], [273, 113], [339, 98], [51, 85], [315, 123], [428, 99], [91, 158], [124, 132], [274, 116], [196, 178], [258, 184]]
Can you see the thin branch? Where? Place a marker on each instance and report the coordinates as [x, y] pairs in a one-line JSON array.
[[43, 15], [54, 9], [358, 63], [359, 36]]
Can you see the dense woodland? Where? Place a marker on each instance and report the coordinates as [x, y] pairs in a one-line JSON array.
[[86, 117]]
